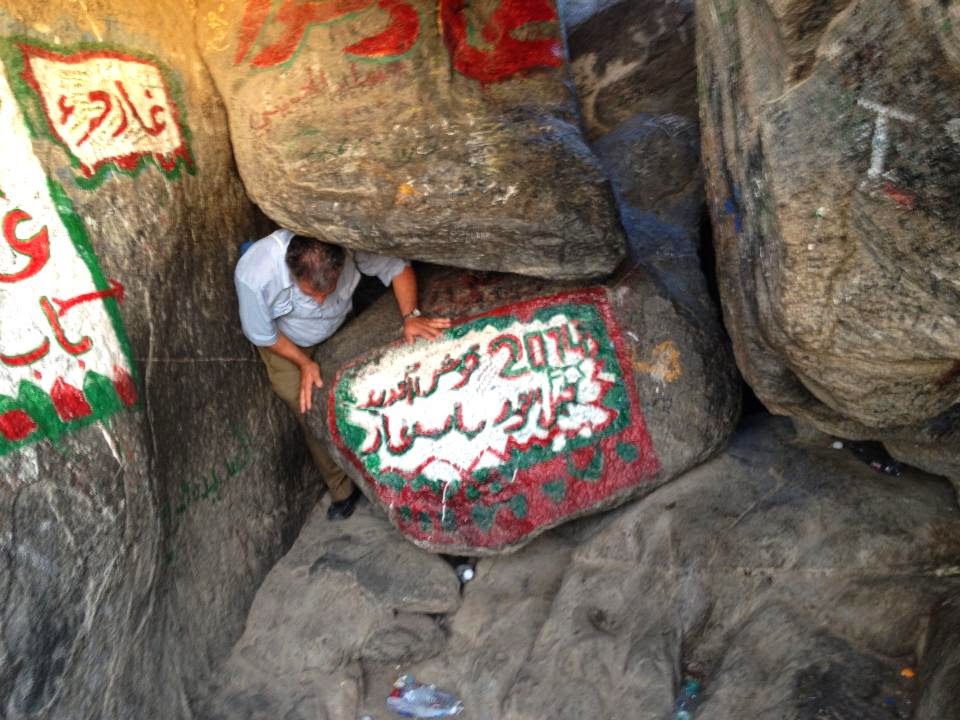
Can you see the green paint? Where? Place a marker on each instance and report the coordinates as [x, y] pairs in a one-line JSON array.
[[518, 506], [556, 490], [448, 521], [627, 451], [393, 481], [592, 472], [306, 34], [390, 58], [406, 513], [208, 485], [483, 516], [426, 524], [36, 120], [946, 26], [590, 322]]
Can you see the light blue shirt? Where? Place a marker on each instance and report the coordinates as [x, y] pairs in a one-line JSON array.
[[271, 301]]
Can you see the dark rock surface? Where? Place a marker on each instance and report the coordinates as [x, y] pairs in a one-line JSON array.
[[455, 142], [674, 355], [631, 57], [795, 582], [144, 497], [832, 159]]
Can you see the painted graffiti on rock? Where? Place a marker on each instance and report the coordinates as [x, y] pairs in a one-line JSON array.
[[64, 358], [508, 422], [108, 109], [483, 48]]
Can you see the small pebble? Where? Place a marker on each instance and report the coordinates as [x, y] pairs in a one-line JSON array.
[[908, 673], [837, 445]]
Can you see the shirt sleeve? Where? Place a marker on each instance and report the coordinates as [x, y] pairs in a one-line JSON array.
[[382, 266], [255, 318]]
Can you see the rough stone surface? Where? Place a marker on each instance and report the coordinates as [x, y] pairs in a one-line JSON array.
[[459, 145], [795, 582], [631, 57], [672, 354], [346, 598], [144, 490], [833, 159]]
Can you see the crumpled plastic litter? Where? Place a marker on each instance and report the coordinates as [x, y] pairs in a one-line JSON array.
[[412, 699]]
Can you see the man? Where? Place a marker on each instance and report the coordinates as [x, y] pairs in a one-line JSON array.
[[294, 293]]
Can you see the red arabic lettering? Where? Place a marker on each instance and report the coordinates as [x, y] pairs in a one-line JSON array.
[[73, 348], [509, 55], [156, 126], [103, 97], [115, 291], [27, 358], [399, 36], [506, 57], [298, 17], [65, 110], [37, 247]]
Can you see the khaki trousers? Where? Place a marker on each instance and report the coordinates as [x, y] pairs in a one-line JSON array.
[[285, 381]]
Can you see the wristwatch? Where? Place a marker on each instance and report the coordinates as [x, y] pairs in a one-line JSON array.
[[413, 313]]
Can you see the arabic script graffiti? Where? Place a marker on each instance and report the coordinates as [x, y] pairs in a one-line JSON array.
[[501, 55], [107, 108], [498, 408], [64, 359]]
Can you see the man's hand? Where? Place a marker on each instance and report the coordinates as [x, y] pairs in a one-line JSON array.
[[427, 328], [309, 377]]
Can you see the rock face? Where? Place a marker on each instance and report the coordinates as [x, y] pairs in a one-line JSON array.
[[436, 131], [631, 57], [794, 582], [833, 159], [143, 488], [528, 414]]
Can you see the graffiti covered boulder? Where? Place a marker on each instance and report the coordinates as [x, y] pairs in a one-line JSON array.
[[833, 164], [560, 403], [436, 131], [510, 421]]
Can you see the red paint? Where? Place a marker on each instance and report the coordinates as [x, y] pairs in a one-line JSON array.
[[37, 247], [297, 17], [69, 401], [619, 476], [73, 348], [901, 197], [115, 291], [16, 425], [27, 358], [125, 386], [129, 162], [254, 16], [399, 37], [508, 56]]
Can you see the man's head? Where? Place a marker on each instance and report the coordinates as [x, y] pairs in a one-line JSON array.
[[315, 265]]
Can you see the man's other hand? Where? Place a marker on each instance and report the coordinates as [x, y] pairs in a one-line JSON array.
[[424, 327], [309, 377]]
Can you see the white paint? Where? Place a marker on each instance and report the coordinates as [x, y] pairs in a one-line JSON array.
[[586, 77], [138, 115], [953, 129], [567, 391], [24, 326], [881, 140], [110, 444]]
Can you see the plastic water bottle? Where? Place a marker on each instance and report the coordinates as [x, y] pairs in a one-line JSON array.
[[412, 699], [688, 699]]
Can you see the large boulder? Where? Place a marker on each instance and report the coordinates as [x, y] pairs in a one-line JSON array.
[[437, 131], [545, 402], [631, 57], [144, 490], [793, 581], [833, 161]]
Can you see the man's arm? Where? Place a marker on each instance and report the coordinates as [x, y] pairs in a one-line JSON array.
[[309, 370], [405, 290]]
